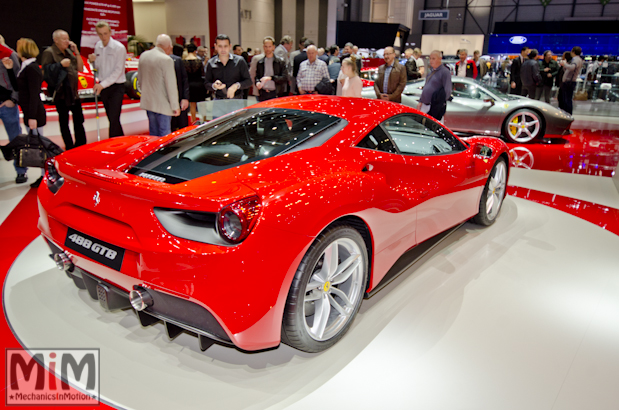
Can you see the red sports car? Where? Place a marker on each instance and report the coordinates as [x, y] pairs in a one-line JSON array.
[[267, 225]]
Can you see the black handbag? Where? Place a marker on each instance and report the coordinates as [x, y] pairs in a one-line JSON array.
[[324, 87], [33, 153]]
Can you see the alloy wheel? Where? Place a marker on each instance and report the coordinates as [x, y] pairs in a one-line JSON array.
[[333, 290], [496, 190], [524, 126]]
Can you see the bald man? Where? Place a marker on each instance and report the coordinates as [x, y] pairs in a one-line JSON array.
[[157, 80], [61, 63], [391, 78]]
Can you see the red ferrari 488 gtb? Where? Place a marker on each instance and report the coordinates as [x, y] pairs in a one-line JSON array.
[[267, 225]]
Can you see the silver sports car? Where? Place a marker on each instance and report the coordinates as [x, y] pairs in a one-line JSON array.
[[477, 109]]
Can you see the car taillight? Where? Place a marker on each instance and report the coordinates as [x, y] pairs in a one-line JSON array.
[[235, 221], [53, 179]]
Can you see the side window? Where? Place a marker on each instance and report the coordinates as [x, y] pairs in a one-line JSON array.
[[465, 90], [378, 140], [417, 135]]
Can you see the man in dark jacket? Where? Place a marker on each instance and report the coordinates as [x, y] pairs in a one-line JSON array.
[[548, 69], [347, 52], [298, 59], [63, 58], [530, 76], [412, 73], [271, 73], [516, 83], [182, 83]]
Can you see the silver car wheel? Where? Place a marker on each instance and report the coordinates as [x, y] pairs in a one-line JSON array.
[[496, 190], [334, 288], [523, 126]]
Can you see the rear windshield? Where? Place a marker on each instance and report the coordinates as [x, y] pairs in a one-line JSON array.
[[245, 137]]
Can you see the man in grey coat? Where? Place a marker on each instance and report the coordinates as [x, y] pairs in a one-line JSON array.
[[157, 80], [530, 76]]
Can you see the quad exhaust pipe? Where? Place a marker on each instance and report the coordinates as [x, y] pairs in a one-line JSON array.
[[63, 262]]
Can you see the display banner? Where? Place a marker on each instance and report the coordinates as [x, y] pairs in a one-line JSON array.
[[112, 11], [593, 43]]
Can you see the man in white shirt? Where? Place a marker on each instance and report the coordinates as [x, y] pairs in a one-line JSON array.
[[109, 61]]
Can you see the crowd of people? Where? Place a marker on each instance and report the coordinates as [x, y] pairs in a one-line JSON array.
[[174, 78], [532, 77], [231, 73]]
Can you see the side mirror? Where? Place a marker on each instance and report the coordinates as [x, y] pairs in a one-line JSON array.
[[490, 100], [482, 151]]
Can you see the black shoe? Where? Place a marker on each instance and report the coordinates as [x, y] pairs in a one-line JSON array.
[[36, 183], [21, 178]]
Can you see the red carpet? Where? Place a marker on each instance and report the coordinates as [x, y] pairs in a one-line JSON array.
[[603, 216], [16, 233]]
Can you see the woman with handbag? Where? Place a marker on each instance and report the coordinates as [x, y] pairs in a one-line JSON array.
[[28, 85]]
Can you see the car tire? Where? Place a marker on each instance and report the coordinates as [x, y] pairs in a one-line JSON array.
[[132, 88], [523, 126], [320, 309], [493, 194]]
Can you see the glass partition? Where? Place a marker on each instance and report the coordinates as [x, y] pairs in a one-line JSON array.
[[211, 109]]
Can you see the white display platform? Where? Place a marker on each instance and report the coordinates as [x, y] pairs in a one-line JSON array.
[[521, 315]]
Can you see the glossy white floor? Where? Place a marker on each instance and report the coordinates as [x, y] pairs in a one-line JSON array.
[[521, 315]]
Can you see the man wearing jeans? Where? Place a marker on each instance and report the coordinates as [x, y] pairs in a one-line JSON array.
[[157, 80], [9, 113]]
